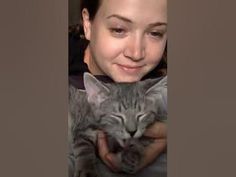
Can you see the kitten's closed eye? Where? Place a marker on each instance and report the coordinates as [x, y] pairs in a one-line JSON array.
[[118, 117], [141, 116], [110, 120], [146, 117]]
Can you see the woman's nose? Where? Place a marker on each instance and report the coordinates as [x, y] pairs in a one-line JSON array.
[[135, 49]]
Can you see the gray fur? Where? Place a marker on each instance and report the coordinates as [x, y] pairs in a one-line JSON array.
[[123, 111]]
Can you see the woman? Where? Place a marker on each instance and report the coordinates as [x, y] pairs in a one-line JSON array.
[[127, 42]]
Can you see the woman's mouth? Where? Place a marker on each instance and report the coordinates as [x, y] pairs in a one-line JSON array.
[[130, 69]]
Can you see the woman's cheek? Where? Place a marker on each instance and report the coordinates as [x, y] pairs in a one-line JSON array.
[[111, 49], [155, 53]]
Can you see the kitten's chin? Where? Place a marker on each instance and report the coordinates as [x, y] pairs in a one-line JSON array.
[[126, 143], [121, 142]]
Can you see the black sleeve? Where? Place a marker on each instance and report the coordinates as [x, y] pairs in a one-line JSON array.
[[77, 45]]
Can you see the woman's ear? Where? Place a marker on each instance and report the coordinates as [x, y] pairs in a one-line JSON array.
[[86, 24]]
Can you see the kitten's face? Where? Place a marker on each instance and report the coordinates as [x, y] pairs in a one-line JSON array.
[[125, 110], [126, 114]]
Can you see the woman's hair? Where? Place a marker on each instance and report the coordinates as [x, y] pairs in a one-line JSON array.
[[92, 6]]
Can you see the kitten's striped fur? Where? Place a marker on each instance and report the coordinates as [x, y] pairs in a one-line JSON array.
[[123, 111]]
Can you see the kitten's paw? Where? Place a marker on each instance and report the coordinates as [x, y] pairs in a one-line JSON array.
[[130, 160]]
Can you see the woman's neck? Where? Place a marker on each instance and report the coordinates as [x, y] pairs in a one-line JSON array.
[[92, 66]]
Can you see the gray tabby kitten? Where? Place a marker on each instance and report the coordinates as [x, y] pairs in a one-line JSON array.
[[123, 111]]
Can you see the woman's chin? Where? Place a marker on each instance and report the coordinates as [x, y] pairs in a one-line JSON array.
[[126, 78]]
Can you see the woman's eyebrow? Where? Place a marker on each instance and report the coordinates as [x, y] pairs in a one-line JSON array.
[[130, 21], [120, 17], [157, 24]]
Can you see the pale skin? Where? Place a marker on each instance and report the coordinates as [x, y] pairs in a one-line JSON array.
[[127, 40]]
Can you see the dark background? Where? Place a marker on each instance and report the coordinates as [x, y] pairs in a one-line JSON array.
[[74, 15], [33, 88]]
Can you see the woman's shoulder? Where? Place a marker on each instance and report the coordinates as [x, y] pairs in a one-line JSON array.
[[77, 81]]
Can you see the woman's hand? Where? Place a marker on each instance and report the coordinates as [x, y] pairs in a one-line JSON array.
[[107, 157], [158, 131]]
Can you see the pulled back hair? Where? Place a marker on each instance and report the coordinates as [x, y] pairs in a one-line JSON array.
[[92, 7]]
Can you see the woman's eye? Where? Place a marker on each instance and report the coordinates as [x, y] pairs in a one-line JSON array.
[[118, 32], [156, 34]]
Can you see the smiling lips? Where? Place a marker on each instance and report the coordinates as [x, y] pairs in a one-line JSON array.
[[130, 69]]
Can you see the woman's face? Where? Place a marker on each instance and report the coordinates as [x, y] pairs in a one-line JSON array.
[[127, 38]]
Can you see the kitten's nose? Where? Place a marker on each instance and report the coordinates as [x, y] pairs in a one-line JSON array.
[[132, 132]]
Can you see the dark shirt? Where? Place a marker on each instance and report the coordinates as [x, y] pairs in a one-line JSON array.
[[77, 67]]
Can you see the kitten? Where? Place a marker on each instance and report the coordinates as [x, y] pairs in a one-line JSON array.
[[123, 111]]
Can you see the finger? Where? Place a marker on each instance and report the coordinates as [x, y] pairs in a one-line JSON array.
[[153, 151], [107, 157], [157, 130]]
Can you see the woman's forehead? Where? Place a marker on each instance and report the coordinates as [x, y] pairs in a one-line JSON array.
[[135, 9]]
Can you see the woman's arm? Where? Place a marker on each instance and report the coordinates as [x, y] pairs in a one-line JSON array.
[[158, 131]]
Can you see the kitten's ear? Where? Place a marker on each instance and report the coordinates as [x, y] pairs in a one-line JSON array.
[[159, 90], [97, 92], [158, 87], [74, 93]]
